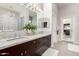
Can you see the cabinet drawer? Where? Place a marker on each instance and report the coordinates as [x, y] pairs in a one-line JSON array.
[[12, 51]]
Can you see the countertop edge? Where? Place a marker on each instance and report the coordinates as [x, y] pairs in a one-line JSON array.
[[6, 45]]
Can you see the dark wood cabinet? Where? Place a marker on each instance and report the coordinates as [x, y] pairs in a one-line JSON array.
[[32, 48]]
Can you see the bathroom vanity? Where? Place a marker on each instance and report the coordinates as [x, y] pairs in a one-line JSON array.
[[34, 45], [13, 42]]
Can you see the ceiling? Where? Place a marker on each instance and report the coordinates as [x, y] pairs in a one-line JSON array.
[[61, 5], [13, 6]]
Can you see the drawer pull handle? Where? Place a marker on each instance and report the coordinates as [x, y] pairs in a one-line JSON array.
[[25, 52], [21, 54]]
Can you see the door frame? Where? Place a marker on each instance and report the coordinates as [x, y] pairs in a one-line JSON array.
[[71, 27]]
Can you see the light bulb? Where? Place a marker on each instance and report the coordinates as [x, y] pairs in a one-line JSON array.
[[30, 4], [34, 5]]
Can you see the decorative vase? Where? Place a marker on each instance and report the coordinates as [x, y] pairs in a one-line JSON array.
[[30, 32]]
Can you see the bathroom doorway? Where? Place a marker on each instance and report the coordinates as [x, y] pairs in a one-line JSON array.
[[66, 30]]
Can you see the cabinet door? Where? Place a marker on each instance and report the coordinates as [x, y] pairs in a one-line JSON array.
[[42, 45], [48, 41], [32, 47], [12, 51], [28, 48], [24, 49], [44, 41]]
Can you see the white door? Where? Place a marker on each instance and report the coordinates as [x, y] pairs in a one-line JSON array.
[[76, 30]]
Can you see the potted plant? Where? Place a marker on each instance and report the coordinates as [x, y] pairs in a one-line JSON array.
[[30, 28]]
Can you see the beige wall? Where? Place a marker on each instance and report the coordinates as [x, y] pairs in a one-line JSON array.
[[54, 23], [72, 10]]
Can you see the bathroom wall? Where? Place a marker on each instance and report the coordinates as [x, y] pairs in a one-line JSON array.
[[45, 16], [72, 11], [54, 23], [51, 12]]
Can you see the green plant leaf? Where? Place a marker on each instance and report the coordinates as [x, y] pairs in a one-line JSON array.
[[30, 26]]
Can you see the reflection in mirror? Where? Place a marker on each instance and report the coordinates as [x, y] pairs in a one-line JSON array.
[[30, 18], [10, 24], [20, 23], [8, 20], [43, 22], [33, 17]]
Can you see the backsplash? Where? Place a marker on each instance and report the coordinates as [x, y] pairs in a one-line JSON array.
[[12, 34]]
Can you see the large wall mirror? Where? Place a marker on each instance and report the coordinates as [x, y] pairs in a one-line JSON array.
[[12, 23], [9, 23], [8, 20]]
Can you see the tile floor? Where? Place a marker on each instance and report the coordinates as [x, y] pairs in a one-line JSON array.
[[62, 47], [50, 52]]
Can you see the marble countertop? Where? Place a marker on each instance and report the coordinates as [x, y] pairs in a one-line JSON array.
[[12, 42]]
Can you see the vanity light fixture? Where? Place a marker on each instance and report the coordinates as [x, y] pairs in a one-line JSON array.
[[26, 5], [33, 7]]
